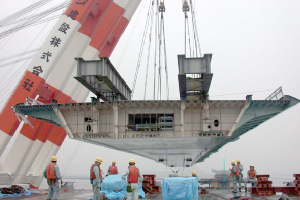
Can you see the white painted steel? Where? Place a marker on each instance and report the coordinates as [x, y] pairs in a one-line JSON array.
[[32, 155], [188, 138], [20, 149], [56, 51], [4, 140], [65, 66]]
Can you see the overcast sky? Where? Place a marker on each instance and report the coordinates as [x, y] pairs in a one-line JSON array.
[[255, 46]]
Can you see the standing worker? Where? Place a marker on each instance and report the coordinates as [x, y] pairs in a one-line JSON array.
[[241, 177], [235, 174], [96, 176], [112, 169], [52, 174], [252, 175], [133, 174]]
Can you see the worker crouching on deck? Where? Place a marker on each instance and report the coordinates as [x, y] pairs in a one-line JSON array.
[[235, 175], [133, 174], [52, 174], [96, 176], [112, 169], [252, 175]]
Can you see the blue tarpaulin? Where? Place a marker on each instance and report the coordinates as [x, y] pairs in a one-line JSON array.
[[176, 188], [114, 187]]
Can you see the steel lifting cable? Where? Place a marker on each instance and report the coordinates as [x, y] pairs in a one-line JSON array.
[[166, 63], [189, 36], [149, 47], [33, 19], [17, 55], [196, 36], [20, 70], [159, 56], [141, 51], [130, 35], [23, 11], [71, 158]]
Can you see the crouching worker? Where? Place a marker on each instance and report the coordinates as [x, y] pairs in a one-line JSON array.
[[52, 174], [96, 176], [133, 174]]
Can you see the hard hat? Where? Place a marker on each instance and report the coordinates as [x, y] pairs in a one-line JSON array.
[[194, 172], [114, 161], [238, 160], [98, 159], [251, 165], [131, 161], [233, 162], [54, 159]]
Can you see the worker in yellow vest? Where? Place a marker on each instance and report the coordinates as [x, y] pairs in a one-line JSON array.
[[52, 174]]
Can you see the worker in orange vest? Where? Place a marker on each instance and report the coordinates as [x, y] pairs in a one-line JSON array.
[[52, 174], [113, 168], [96, 176], [252, 175], [235, 175], [133, 174]]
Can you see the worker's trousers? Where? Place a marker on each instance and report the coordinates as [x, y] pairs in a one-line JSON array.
[[241, 180], [96, 191], [252, 181], [53, 192], [134, 194], [235, 180]]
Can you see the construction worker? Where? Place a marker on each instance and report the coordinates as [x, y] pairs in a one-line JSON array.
[[252, 175], [133, 174], [241, 177], [194, 174], [52, 174], [112, 169], [96, 176], [235, 175]]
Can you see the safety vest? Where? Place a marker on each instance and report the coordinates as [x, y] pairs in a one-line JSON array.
[[50, 173], [251, 173], [113, 170], [133, 176], [92, 175], [237, 173]]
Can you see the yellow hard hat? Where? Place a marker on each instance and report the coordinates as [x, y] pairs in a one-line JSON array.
[[238, 160], [54, 159], [251, 165], [131, 161], [233, 162], [194, 173], [98, 159], [114, 161]]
